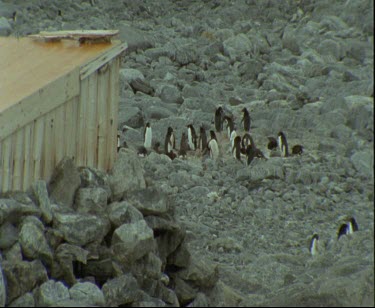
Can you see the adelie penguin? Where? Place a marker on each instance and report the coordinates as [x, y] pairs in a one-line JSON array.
[[170, 141], [183, 146], [142, 152], [147, 136], [213, 146], [236, 150], [202, 142], [347, 228], [219, 119], [272, 143], [192, 137], [283, 144], [314, 245], [229, 125], [246, 140], [250, 154], [246, 120], [297, 149]]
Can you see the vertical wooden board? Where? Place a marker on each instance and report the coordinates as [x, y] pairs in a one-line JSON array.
[[112, 103], [81, 124], [59, 133], [70, 133], [7, 163], [17, 159], [91, 145], [49, 151], [27, 163], [103, 84], [37, 148]]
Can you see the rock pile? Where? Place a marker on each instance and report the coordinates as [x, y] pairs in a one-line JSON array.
[[85, 240]]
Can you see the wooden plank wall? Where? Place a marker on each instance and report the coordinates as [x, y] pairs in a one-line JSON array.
[[84, 128]]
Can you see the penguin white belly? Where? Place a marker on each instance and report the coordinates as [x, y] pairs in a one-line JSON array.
[[148, 138], [214, 149], [190, 140]]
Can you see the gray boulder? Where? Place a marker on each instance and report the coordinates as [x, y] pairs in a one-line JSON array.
[[26, 300], [122, 290], [236, 46], [363, 162], [33, 241], [91, 200], [5, 27], [91, 177], [123, 212], [171, 95], [261, 169], [331, 49], [41, 196], [132, 241], [158, 112], [65, 255], [131, 116], [50, 293], [80, 229], [87, 293], [126, 175], [8, 235], [290, 41], [130, 74], [22, 277], [361, 114], [136, 39], [150, 201], [12, 211], [64, 182]]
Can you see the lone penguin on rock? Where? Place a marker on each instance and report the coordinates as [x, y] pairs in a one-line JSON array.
[[170, 141], [314, 245], [147, 136], [283, 144], [246, 120], [192, 137], [212, 146]]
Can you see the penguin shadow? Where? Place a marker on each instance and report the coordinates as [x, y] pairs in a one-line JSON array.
[[347, 227]]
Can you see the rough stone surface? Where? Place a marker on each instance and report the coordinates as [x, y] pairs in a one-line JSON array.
[[150, 201], [122, 290], [65, 180], [2, 289], [41, 195], [8, 235], [126, 175], [132, 241], [91, 200], [87, 293], [50, 293], [123, 212]]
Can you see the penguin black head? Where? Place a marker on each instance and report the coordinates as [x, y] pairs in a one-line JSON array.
[[297, 149], [156, 147], [213, 135], [170, 130], [142, 152], [148, 124], [272, 143], [344, 229]]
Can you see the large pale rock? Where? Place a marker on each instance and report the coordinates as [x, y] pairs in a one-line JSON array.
[[87, 293], [363, 162], [131, 242], [91, 200], [41, 195], [65, 255], [22, 277], [136, 39], [123, 212], [236, 46], [122, 290], [260, 169], [64, 182], [80, 229], [150, 201], [26, 300], [126, 175], [168, 234], [171, 95], [33, 241], [91, 177], [50, 293], [5, 27], [225, 295], [361, 114]]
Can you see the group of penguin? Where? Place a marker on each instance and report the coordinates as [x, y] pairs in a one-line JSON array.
[[241, 147], [347, 228]]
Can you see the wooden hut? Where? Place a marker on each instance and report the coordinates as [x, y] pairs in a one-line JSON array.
[[57, 98]]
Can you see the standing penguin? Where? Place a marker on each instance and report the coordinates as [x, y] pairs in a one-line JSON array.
[[272, 143], [183, 146], [246, 140], [170, 141], [250, 154], [202, 144], [219, 119], [236, 150], [192, 137], [229, 125], [314, 245], [213, 146], [353, 226], [147, 136], [343, 230], [283, 144], [233, 135], [246, 120], [297, 149]]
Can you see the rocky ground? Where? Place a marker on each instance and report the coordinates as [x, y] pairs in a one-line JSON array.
[[303, 67]]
